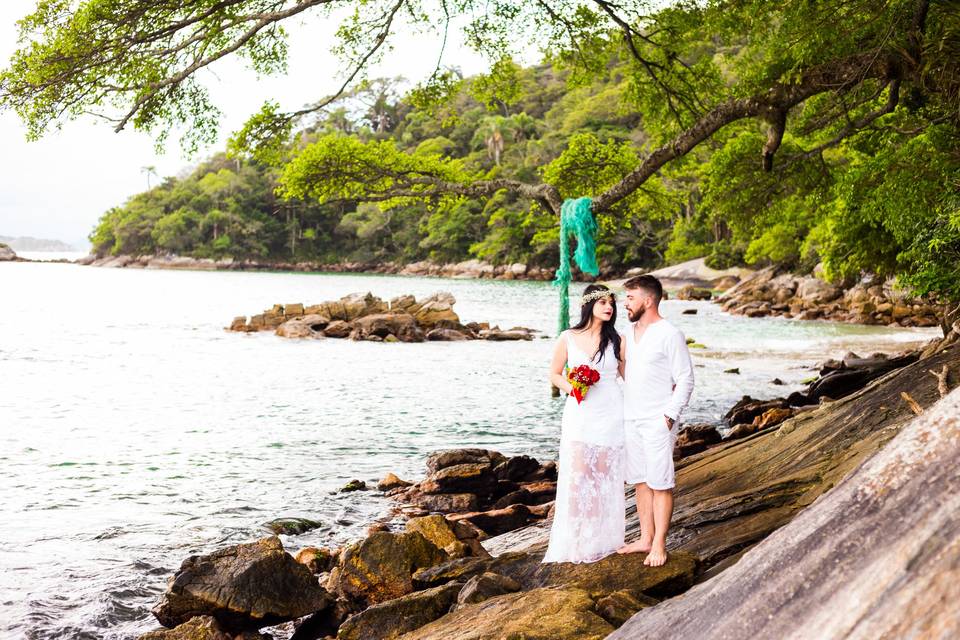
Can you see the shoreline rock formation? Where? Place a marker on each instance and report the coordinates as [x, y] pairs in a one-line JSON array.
[[7, 253], [363, 316], [772, 292]]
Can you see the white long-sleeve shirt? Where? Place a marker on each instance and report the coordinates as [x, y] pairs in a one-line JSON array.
[[658, 377]]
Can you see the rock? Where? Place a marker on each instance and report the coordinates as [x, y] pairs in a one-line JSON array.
[[772, 417], [200, 628], [777, 381], [485, 586], [499, 335], [448, 535], [391, 481], [246, 586], [456, 569], [380, 567], [295, 329], [817, 291], [318, 560], [876, 556], [725, 283], [377, 527], [540, 614], [338, 329], [695, 438], [442, 502], [6, 253], [516, 468], [689, 312], [293, 310], [435, 311], [619, 606], [747, 409], [239, 324], [477, 478], [358, 305], [354, 485], [446, 335], [497, 521], [690, 292], [520, 496], [401, 325], [447, 458], [315, 321], [735, 370], [389, 620], [291, 526]]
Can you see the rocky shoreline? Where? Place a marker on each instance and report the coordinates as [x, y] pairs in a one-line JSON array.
[[771, 292], [465, 562], [363, 316]]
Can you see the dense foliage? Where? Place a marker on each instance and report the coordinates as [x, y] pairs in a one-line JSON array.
[[791, 132]]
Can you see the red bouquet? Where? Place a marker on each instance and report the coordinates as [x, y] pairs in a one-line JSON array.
[[582, 378]]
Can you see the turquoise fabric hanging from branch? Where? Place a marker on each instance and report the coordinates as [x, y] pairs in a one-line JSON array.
[[576, 219]]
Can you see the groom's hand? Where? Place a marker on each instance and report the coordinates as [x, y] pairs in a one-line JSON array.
[[669, 422]]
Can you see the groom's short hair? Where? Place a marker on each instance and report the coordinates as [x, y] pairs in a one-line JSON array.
[[648, 283]]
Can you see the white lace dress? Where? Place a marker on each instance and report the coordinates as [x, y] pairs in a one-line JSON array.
[[589, 517]]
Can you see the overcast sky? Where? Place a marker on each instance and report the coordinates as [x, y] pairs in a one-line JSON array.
[[59, 186]]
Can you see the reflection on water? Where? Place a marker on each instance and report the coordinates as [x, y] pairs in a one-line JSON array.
[[134, 431]]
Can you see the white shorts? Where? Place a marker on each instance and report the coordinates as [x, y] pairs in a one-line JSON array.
[[649, 452]]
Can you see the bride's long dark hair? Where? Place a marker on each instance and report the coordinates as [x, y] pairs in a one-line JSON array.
[[608, 331]]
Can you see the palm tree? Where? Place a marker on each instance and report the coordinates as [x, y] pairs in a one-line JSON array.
[[150, 170]]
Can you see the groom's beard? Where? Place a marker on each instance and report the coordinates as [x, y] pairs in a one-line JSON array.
[[634, 316]]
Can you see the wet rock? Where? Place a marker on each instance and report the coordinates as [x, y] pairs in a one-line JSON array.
[[735, 370], [772, 417], [456, 569], [380, 567], [391, 481], [354, 485], [245, 586], [200, 628], [389, 620], [317, 559], [540, 614], [291, 526], [238, 324]]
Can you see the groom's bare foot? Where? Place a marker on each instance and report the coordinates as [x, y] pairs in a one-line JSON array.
[[637, 546], [657, 557]]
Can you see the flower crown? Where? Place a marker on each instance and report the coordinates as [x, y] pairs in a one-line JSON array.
[[595, 295]]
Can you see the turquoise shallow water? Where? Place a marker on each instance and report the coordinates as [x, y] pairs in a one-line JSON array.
[[135, 431]]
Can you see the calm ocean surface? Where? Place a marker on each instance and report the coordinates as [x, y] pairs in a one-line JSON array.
[[135, 431]]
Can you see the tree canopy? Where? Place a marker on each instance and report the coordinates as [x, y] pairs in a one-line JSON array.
[[791, 131]]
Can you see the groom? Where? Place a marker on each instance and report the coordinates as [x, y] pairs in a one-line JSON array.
[[658, 379]]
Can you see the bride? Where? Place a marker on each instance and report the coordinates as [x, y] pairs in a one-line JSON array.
[[589, 521]]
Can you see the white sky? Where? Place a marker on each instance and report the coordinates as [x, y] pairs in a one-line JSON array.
[[59, 186]]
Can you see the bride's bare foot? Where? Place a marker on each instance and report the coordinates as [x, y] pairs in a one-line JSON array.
[[657, 557], [637, 546]]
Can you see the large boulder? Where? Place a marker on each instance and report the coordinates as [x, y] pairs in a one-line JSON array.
[[380, 567], [498, 521], [435, 312], [540, 614], [877, 556], [391, 619], [816, 291], [246, 586], [6, 253], [485, 586]]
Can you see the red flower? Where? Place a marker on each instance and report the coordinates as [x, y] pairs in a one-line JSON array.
[[581, 379]]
